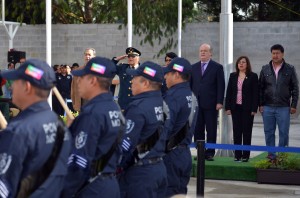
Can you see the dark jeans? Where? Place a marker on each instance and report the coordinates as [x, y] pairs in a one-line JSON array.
[[281, 117]]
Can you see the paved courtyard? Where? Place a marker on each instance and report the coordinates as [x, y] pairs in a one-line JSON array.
[[232, 189]]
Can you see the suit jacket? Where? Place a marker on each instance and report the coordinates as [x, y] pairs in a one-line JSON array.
[[76, 99], [249, 92], [209, 88]]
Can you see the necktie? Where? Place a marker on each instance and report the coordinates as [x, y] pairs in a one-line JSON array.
[[203, 68]]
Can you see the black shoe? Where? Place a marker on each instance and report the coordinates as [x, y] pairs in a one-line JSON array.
[[237, 159], [245, 159], [209, 158]]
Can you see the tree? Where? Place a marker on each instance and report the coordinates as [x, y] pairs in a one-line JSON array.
[[255, 10], [153, 19]]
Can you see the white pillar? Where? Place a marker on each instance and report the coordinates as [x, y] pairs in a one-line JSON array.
[[48, 38], [179, 26], [3, 11], [129, 22], [226, 59], [48, 30], [11, 39]]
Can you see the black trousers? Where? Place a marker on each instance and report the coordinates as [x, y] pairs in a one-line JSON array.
[[242, 123], [207, 119]]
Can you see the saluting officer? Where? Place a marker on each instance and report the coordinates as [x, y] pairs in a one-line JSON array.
[[179, 129], [125, 93], [142, 145], [97, 134], [35, 146]]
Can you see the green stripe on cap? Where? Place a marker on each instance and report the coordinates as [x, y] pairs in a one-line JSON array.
[[149, 71], [98, 68], [178, 67], [34, 72]]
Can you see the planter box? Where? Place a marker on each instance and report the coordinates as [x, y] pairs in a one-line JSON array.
[[277, 176]]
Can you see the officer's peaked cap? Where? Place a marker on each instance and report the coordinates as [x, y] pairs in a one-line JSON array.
[[99, 66], [133, 51], [36, 71], [180, 65], [149, 70]]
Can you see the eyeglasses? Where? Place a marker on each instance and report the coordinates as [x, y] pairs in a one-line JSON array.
[[168, 60], [131, 56]]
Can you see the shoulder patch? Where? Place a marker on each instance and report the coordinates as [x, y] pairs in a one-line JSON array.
[[129, 126], [5, 161], [80, 140]]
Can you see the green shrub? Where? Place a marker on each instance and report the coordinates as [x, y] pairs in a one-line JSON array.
[[64, 118], [285, 161]]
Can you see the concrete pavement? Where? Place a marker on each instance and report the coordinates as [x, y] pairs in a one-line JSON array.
[[234, 189]]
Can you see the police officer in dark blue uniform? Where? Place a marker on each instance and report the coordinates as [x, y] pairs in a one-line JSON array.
[[35, 146], [125, 80], [64, 81], [97, 133], [182, 106], [168, 58], [144, 171]]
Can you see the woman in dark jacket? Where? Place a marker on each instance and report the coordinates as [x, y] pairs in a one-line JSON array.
[[242, 103]]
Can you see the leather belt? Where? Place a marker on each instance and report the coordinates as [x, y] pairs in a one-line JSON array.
[[153, 160], [180, 146]]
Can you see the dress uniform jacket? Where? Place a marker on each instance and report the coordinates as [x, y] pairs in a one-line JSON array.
[[94, 131], [125, 92], [25, 146]]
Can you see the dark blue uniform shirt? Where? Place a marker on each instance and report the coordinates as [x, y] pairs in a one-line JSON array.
[[164, 88], [179, 101], [125, 93], [95, 130], [25, 145], [144, 115], [64, 85]]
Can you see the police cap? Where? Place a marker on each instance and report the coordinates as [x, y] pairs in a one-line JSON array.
[[149, 70], [180, 65], [133, 51], [99, 66]]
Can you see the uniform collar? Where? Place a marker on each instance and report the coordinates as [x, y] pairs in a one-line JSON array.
[[179, 85], [135, 66], [101, 97], [148, 94], [36, 107]]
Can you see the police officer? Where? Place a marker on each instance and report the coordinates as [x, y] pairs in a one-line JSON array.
[[178, 159], [64, 81], [125, 80], [96, 132], [35, 146], [168, 58], [144, 172]]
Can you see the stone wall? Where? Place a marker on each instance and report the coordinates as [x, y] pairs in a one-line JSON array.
[[253, 39], [69, 41]]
